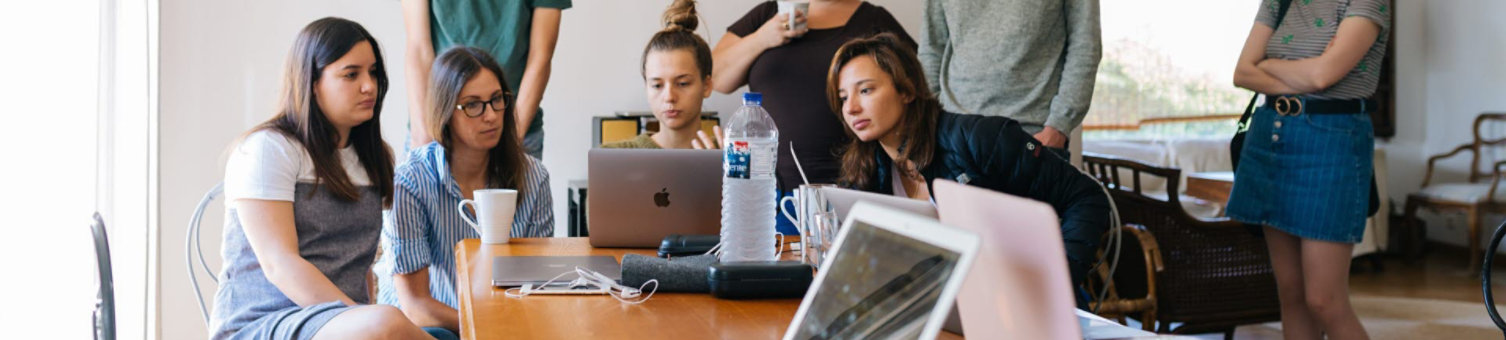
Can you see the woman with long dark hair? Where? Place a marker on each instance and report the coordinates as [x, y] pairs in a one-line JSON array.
[[304, 197], [471, 117], [901, 140]]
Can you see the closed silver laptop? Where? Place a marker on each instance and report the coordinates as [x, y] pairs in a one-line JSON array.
[[635, 197], [513, 271]]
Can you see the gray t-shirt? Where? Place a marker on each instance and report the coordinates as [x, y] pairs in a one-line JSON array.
[[1308, 27]]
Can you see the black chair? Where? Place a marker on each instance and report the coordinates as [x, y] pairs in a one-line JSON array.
[[104, 307], [1490, 299]]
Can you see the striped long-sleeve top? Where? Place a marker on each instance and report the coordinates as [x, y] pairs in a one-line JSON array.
[[421, 229]]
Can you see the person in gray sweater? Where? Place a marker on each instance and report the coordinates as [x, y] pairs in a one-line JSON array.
[[1030, 60]]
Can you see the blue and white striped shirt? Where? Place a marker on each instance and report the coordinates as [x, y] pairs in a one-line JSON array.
[[423, 226]]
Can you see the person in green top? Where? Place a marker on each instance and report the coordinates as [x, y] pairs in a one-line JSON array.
[[676, 79], [521, 34]]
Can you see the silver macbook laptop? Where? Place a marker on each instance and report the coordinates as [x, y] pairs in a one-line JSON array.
[[638, 196], [513, 271]]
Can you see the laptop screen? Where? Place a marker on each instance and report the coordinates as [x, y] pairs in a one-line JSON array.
[[880, 284]]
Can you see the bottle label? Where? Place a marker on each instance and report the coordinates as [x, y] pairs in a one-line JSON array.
[[735, 163]]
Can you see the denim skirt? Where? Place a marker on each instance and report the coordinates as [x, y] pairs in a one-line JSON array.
[[1307, 175]]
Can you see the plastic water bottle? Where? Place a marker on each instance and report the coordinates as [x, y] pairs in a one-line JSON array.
[[748, 192]]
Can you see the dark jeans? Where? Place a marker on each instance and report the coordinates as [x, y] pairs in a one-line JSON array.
[[441, 333]]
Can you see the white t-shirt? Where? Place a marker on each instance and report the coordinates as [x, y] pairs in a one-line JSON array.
[[267, 165]]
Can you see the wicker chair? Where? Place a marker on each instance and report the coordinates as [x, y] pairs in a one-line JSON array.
[[1212, 275], [1143, 296]]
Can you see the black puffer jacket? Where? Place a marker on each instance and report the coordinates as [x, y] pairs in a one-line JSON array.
[[995, 153]]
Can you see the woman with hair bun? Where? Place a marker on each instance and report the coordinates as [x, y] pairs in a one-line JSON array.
[[676, 73]]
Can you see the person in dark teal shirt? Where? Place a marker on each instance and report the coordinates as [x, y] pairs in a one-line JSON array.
[[521, 34]]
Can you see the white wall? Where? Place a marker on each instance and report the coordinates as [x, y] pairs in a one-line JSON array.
[[1449, 70], [221, 61]]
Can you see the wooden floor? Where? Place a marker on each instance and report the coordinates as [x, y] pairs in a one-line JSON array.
[[1440, 274]]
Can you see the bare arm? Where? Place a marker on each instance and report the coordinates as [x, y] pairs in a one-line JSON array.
[[421, 307], [270, 229], [543, 36], [733, 55], [1349, 45], [420, 56], [1249, 76]]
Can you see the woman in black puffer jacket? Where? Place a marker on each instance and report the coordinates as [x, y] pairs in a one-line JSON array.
[[878, 89]]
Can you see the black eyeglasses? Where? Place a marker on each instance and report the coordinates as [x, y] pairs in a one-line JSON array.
[[474, 109]]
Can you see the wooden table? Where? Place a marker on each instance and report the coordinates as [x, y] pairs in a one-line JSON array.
[[1213, 186], [487, 314]]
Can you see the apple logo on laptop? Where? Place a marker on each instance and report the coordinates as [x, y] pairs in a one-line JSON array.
[[661, 198]]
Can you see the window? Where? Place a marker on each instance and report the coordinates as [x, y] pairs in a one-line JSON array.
[[1168, 68], [75, 91], [51, 95]]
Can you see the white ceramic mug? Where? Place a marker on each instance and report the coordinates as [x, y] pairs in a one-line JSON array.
[[494, 212], [788, 9], [806, 203], [805, 200]]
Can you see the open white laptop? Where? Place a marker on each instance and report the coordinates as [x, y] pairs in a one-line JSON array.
[[1019, 287], [636, 197], [890, 274]]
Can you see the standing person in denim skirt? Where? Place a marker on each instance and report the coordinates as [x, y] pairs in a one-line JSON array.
[[1305, 169]]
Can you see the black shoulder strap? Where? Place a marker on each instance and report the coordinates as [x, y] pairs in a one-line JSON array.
[[1285, 4]]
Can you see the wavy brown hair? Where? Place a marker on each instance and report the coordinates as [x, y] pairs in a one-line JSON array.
[[320, 44], [917, 126], [679, 33], [451, 70]]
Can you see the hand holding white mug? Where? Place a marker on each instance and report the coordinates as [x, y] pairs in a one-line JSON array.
[[776, 32], [792, 9]]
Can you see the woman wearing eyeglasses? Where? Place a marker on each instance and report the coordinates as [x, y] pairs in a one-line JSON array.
[[471, 117]]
